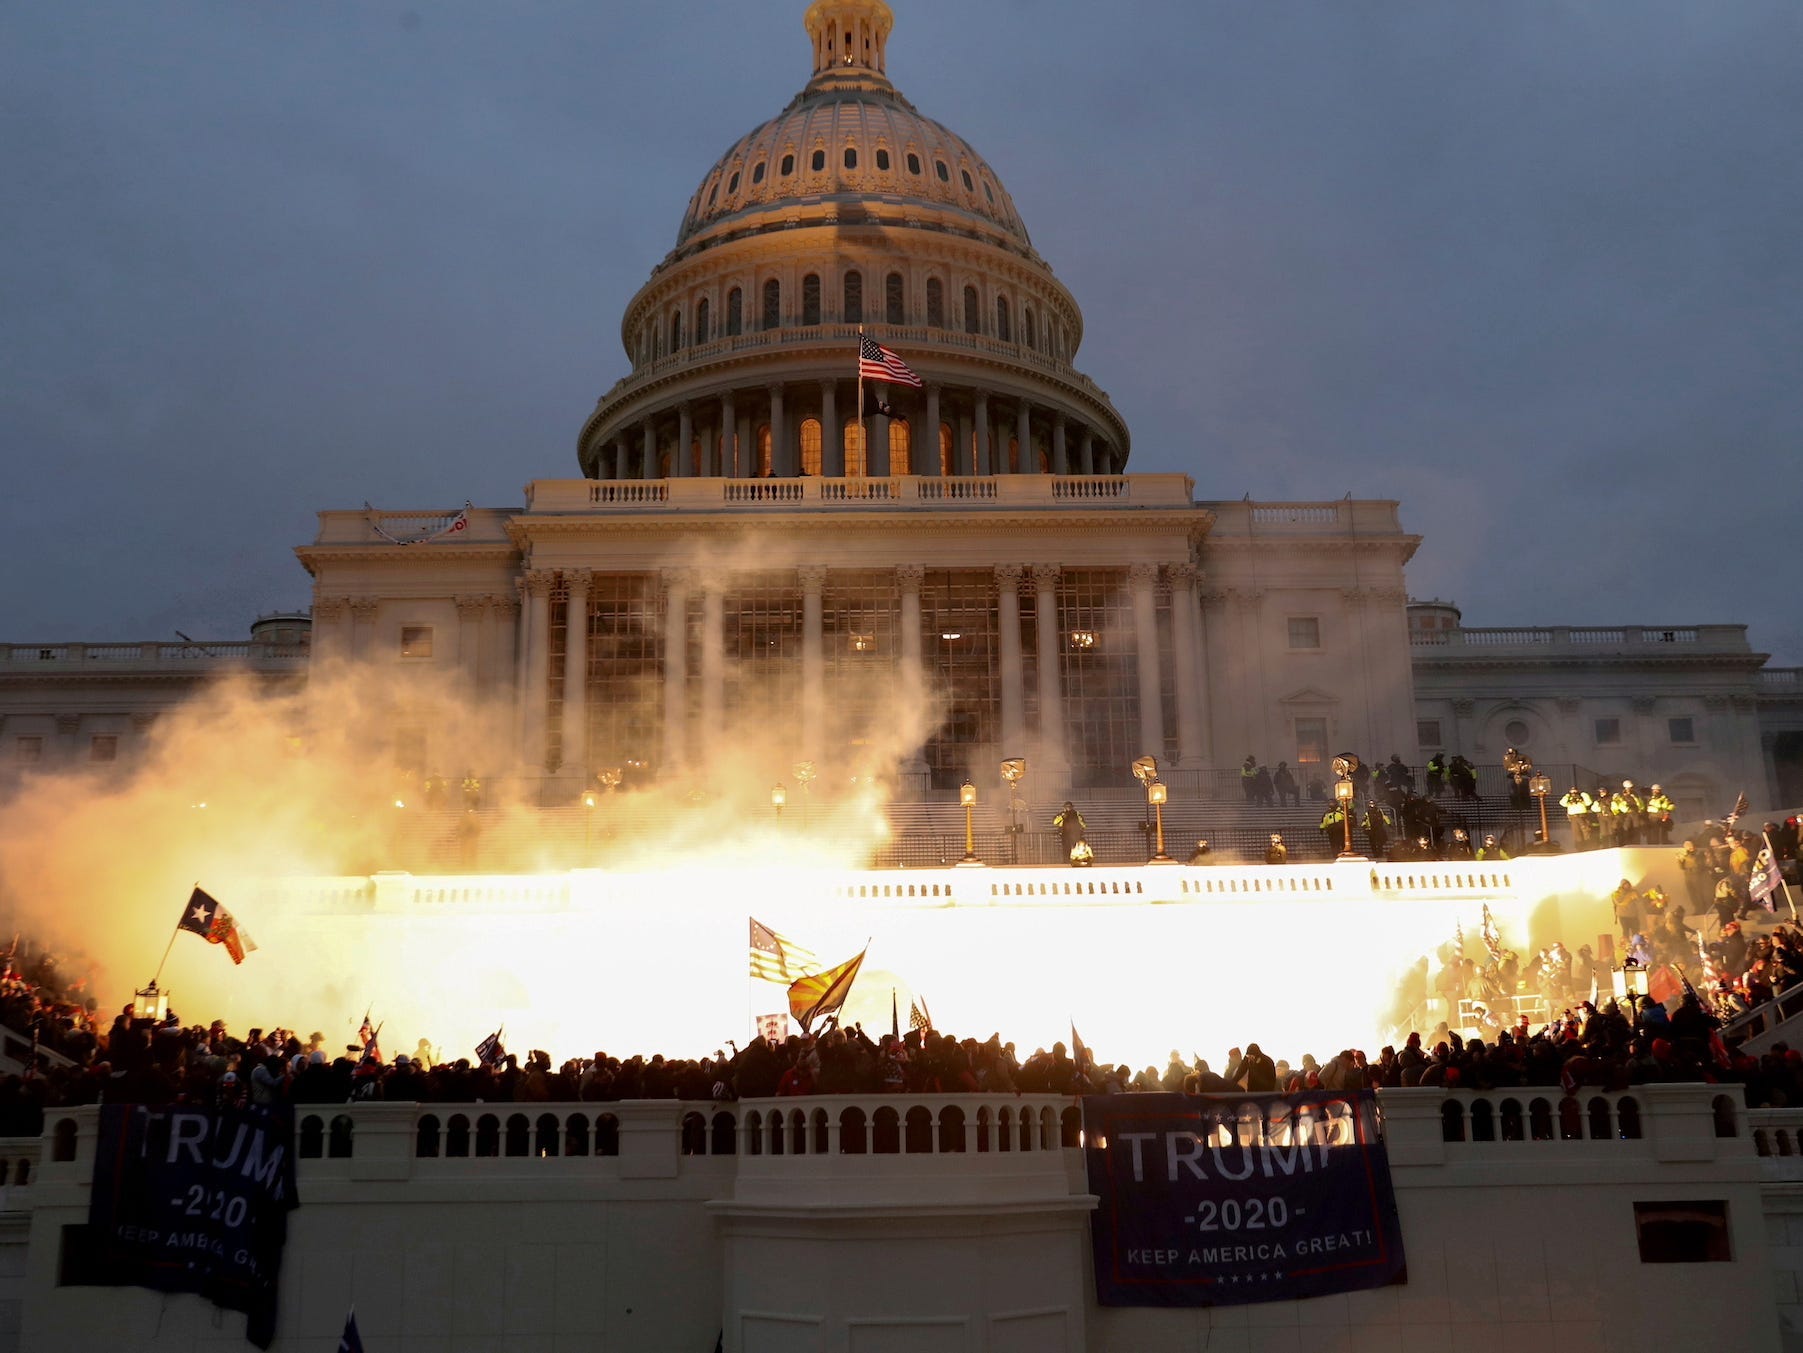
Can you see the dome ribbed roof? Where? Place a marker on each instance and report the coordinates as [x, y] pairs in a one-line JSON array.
[[850, 139]]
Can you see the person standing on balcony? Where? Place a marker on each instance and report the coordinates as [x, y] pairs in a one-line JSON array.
[[1576, 804], [1659, 810], [1436, 775], [1249, 778], [1072, 829], [1284, 781]]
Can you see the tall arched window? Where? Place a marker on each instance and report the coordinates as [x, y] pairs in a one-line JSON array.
[[764, 448], [854, 451], [735, 313], [973, 316], [935, 303], [703, 321], [853, 310], [901, 447], [894, 299], [1029, 331], [810, 299], [773, 304], [676, 331], [810, 446], [948, 464], [1003, 329]]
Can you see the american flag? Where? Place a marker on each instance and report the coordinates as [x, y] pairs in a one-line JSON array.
[[777, 958], [919, 1017], [877, 363]]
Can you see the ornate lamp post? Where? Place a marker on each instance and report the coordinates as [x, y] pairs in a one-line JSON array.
[[804, 772], [1014, 770], [967, 795], [1540, 786], [1145, 770], [1344, 791], [1156, 794], [779, 795]]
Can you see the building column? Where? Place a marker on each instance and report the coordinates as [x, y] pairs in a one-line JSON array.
[[963, 463], [832, 436], [908, 578], [1086, 463], [499, 626], [983, 462], [1023, 434], [472, 612], [1143, 579], [536, 636], [926, 447], [1051, 685], [1007, 598], [779, 440], [575, 674], [363, 628], [685, 461], [713, 658], [677, 582], [622, 457], [813, 659], [876, 458], [1060, 458], [729, 438], [1186, 636], [648, 450]]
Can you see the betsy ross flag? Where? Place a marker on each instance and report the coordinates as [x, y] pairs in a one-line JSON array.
[[821, 994], [350, 1341], [204, 916], [877, 363], [777, 958]]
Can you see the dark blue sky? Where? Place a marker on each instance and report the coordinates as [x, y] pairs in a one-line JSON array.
[[1534, 269]]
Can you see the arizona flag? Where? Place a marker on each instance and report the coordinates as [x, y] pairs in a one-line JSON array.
[[822, 994], [204, 916]]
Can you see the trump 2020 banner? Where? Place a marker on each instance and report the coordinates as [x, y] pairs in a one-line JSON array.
[[196, 1200], [1222, 1200]]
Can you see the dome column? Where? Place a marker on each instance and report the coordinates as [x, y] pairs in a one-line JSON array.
[[983, 463], [1023, 435], [648, 450], [622, 458], [729, 437], [1086, 453], [961, 449], [926, 445], [832, 436], [779, 439], [685, 461], [1060, 458]]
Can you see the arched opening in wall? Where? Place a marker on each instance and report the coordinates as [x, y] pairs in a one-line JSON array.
[[788, 165], [703, 321], [948, 465], [817, 161], [810, 446], [810, 299], [676, 331], [854, 450], [1029, 331], [973, 313], [851, 157], [765, 467], [773, 304], [1003, 323], [735, 312], [852, 311], [901, 447], [935, 303], [895, 309]]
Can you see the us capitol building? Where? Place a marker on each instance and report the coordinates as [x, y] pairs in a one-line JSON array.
[[747, 545]]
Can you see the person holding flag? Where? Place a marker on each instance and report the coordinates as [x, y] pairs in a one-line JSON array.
[[822, 994], [204, 916]]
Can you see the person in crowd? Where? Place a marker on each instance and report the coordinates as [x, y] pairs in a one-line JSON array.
[[1289, 795], [1659, 810], [1378, 825], [1276, 852], [1249, 778], [1072, 829], [1576, 804], [1203, 853], [1462, 776], [1436, 775], [1333, 827], [1491, 849], [1264, 793]]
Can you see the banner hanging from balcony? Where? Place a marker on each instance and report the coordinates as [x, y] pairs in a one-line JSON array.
[[195, 1200], [1224, 1200]]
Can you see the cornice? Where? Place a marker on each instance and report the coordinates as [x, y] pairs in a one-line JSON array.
[[395, 554]]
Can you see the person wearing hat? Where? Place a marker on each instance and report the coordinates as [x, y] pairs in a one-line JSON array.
[[1659, 810], [1491, 849], [1203, 853], [1072, 829]]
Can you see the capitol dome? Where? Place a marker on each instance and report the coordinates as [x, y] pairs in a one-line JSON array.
[[847, 214]]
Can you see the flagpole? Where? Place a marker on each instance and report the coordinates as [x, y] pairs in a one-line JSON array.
[[863, 435], [167, 947]]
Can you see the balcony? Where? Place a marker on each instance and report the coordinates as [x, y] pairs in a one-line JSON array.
[[1555, 640], [982, 493], [16, 659]]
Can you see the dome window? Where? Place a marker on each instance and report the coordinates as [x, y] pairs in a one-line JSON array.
[[945, 175], [882, 159], [969, 187], [713, 194], [732, 184], [788, 166], [913, 163], [757, 172], [819, 161], [851, 157]]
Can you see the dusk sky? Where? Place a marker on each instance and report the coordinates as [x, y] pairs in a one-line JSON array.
[[1534, 269]]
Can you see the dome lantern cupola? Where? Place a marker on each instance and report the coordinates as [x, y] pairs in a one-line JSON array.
[[849, 35]]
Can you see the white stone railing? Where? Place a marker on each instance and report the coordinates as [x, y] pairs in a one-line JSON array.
[[712, 493], [163, 656], [1715, 638], [1781, 679]]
